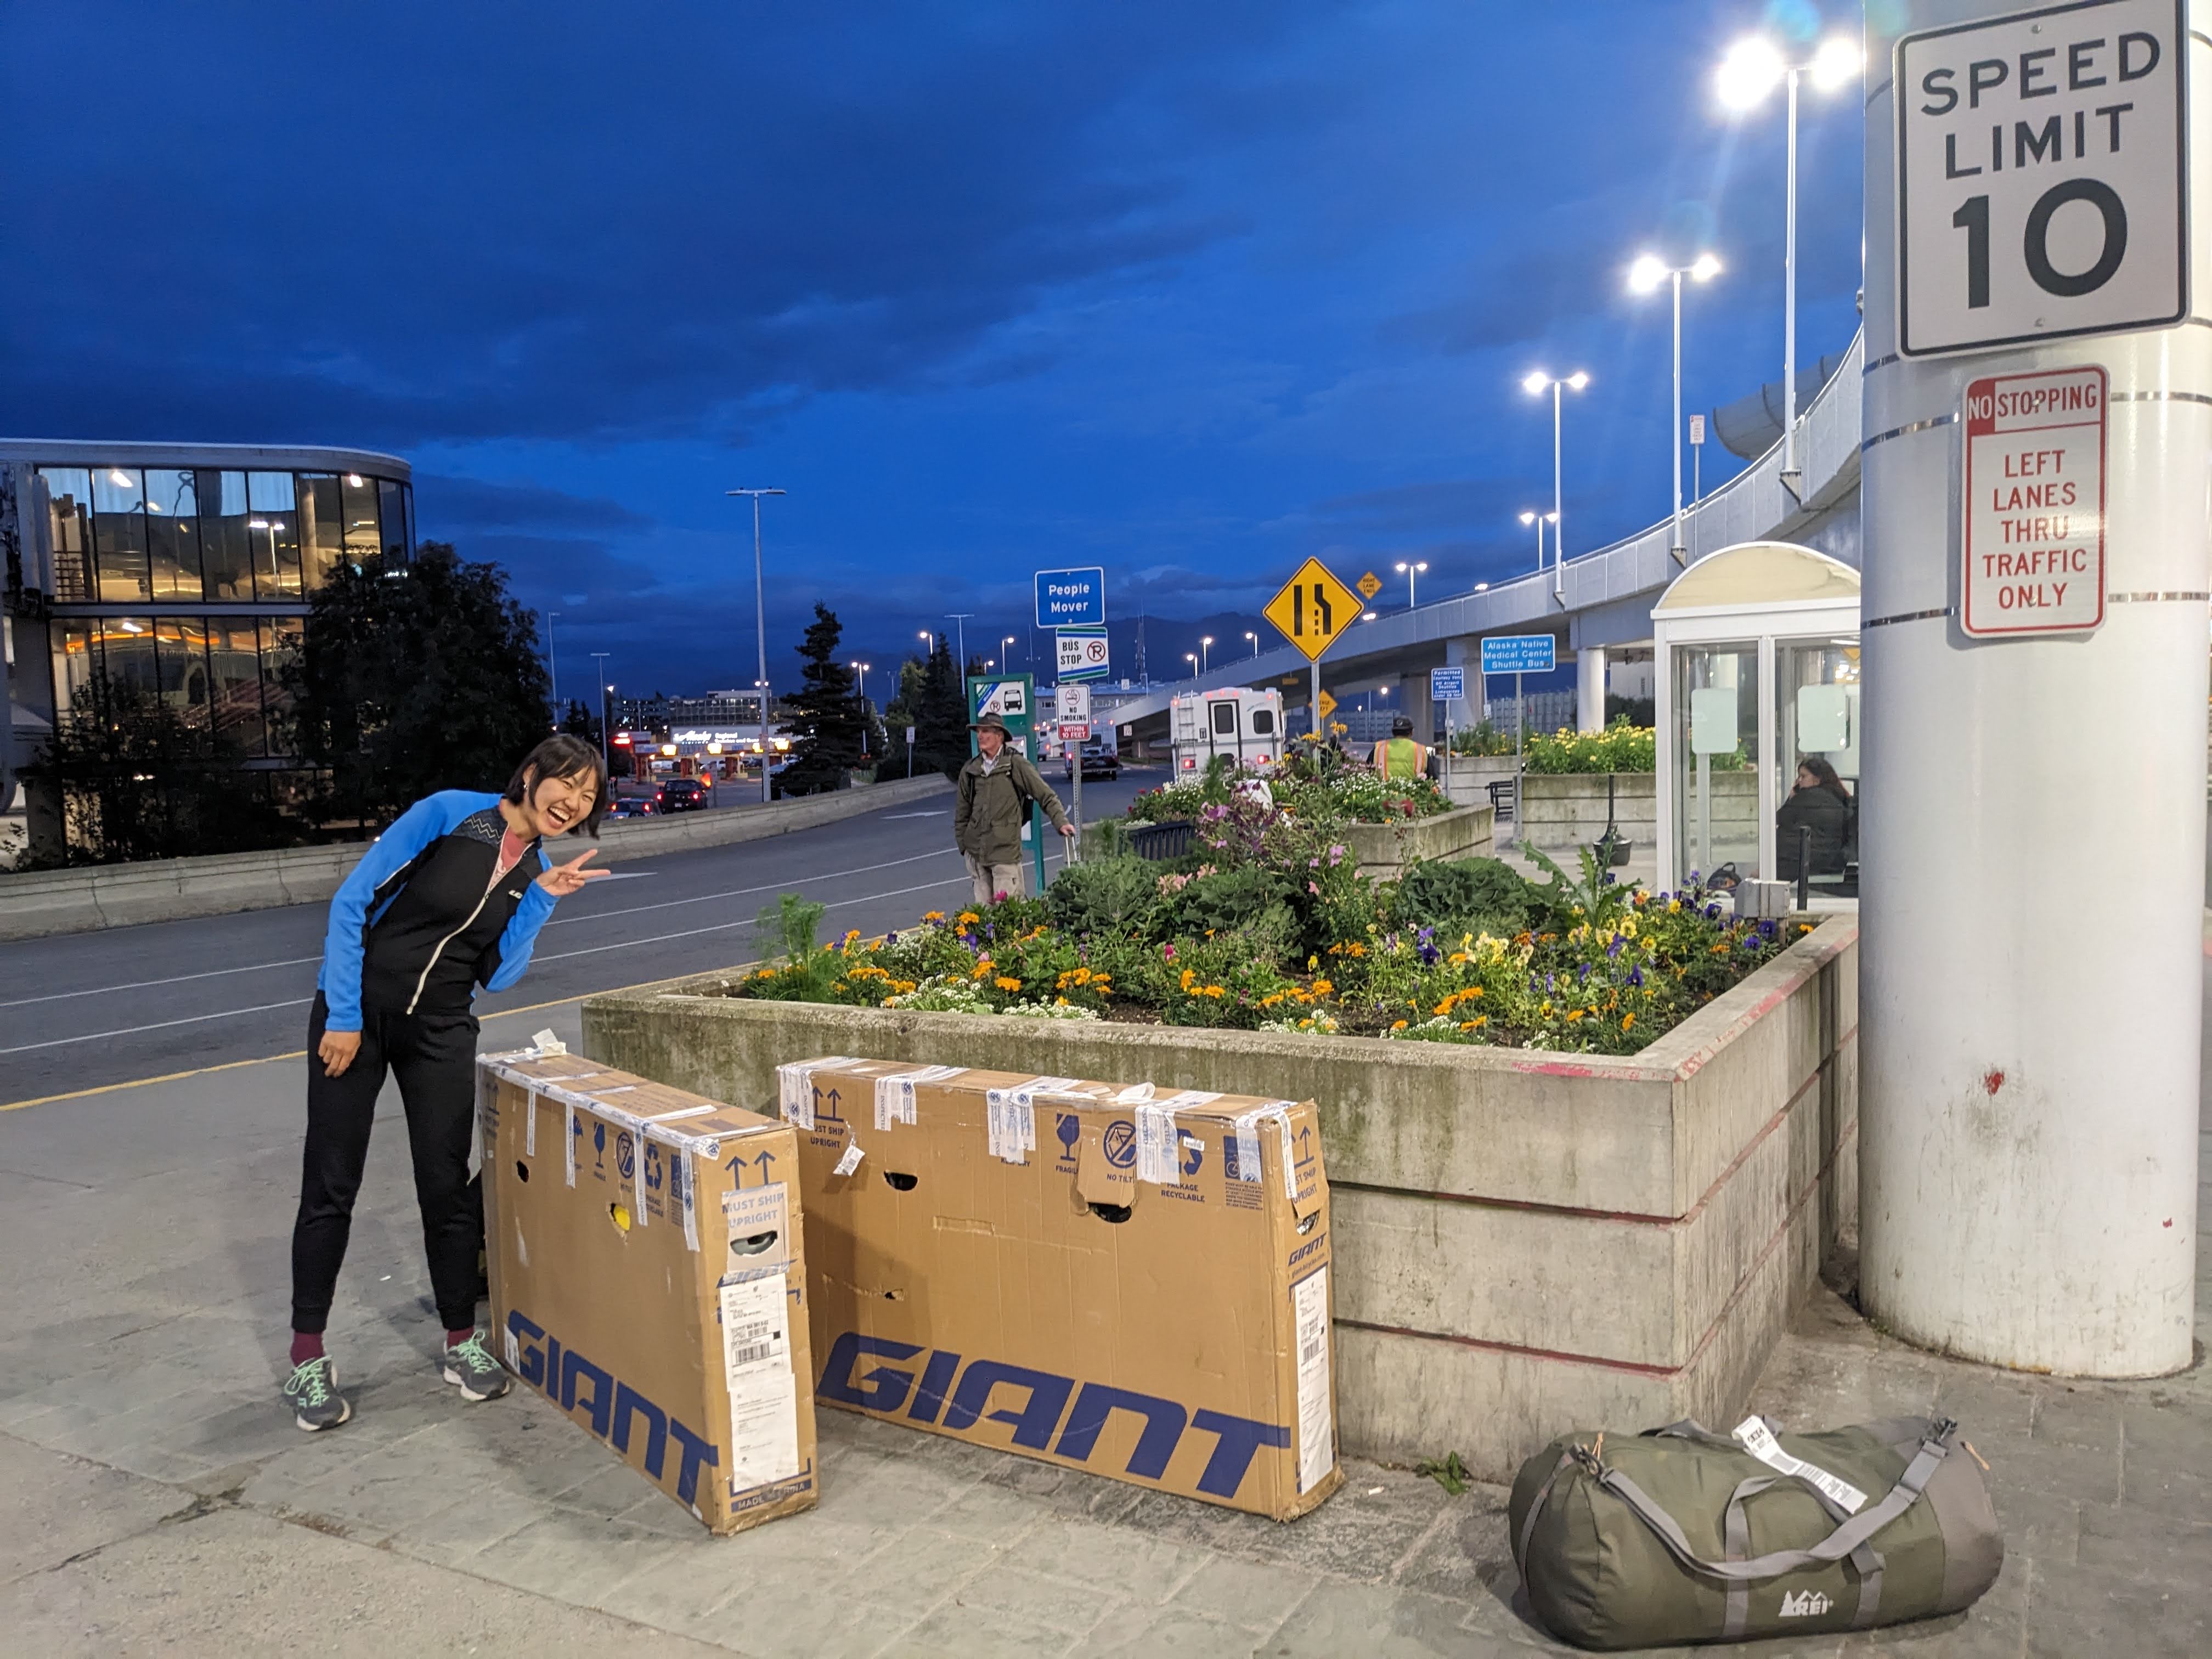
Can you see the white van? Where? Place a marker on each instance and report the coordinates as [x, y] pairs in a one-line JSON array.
[[1245, 724]]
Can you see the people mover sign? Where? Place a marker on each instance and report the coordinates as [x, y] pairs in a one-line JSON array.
[[2034, 539]]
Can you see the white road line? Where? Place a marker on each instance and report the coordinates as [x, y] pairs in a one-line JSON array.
[[766, 887], [557, 921], [561, 956], [144, 984], [158, 1025]]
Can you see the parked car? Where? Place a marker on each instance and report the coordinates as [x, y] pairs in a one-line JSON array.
[[1099, 761], [680, 795], [632, 806]]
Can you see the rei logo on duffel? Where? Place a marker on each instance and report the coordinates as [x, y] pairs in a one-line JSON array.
[[1803, 1603]]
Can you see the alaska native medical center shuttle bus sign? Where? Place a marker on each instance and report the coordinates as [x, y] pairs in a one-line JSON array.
[[2035, 503], [2042, 176]]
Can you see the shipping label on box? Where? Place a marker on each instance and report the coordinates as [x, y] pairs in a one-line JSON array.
[[1127, 1281], [649, 1276]]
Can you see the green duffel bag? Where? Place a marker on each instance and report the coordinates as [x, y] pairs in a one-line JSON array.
[[1680, 1535]]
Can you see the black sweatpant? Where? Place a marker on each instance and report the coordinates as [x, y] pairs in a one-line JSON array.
[[433, 1057]]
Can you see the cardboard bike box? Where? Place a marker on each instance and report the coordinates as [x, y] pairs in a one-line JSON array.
[[649, 1278], [1128, 1281]]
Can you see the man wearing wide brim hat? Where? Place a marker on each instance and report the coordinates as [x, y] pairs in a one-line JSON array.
[[991, 802]]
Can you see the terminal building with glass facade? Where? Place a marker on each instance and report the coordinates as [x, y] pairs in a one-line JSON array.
[[183, 571]]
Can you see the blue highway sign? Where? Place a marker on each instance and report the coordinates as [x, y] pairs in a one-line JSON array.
[[1520, 654], [1072, 599], [1447, 684]]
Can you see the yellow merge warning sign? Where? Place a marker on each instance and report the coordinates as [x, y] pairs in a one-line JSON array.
[[1313, 608]]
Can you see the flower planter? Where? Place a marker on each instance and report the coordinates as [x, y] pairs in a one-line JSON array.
[[1525, 1242], [1467, 778], [1382, 849]]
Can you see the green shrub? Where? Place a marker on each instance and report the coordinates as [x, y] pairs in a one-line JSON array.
[[1619, 748], [1103, 896], [1456, 895]]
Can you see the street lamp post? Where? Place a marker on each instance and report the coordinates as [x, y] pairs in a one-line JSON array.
[[759, 623], [1410, 571], [1205, 652], [1254, 638], [553, 668], [1540, 520], [959, 619], [606, 715], [1006, 653], [1645, 274], [866, 722], [1191, 657], [1534, 385], [1752, 68]]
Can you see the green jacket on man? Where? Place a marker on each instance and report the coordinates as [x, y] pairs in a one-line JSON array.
[[989, 808]]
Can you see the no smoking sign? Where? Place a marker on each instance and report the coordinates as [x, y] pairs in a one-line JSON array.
[[2042, 176]]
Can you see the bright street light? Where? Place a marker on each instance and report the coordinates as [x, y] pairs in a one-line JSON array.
[[1645, 274], [1005, 655], [1411, 571], [1752, 68], [1206, 652], [1254, 638], [759, 618], [1534, 385], [1191, 657]]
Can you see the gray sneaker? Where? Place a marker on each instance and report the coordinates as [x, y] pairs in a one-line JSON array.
[[471, 1368], [312, 1391]]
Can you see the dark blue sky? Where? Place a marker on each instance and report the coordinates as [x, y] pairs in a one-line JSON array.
[[1188, 290]]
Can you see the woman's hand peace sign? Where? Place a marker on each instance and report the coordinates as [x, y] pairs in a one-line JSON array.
[[562, 879]]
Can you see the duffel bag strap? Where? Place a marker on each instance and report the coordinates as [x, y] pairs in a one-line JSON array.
[[1843, 1541], [1866, 1561], [1536, 1509]]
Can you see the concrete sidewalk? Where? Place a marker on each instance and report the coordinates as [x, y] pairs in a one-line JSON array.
[[160, 1498]]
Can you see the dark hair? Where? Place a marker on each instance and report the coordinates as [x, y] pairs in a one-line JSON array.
[[565, 756], [1402, 727], [1825, 776]]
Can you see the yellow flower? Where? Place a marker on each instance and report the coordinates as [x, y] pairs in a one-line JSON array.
[[932, 915], [1322, 987], [1190, 978], [1007, 984], [1627, 1020], [1398, 1025], [1312, 963], [1672, 905], [1214, 991], [851, 933], [969, 918]]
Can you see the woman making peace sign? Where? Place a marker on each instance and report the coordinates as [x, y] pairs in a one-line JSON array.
[[450, 897]]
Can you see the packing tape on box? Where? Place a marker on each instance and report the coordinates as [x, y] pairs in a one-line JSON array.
[[895, 1095], [1009, 1114], [1247, 1128], [569, 1130], [530, 1126], [851, 1160], [795, 1086], [1159, 1147]]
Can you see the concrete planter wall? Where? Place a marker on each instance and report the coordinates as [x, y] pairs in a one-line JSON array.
[[33, 903], [1567, 808], [1381, 848], [1524, 1242], [1467, 778]]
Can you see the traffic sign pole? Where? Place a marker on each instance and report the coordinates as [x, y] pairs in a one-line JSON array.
[[1994, 1003]]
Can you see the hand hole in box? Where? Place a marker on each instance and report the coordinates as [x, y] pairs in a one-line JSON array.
[[1307, 1225], [521, 1170], [1116, 1213], [752, 1244], [619, 1214], [901, 1183]]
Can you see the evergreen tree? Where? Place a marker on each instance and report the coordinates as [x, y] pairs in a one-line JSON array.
[[826, 717], [579, 721], [940, 733], [405, 686]]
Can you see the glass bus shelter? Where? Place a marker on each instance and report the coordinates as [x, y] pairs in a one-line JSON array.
[[1758, 661]]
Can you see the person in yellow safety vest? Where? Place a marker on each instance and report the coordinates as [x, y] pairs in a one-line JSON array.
[[1398, 757]]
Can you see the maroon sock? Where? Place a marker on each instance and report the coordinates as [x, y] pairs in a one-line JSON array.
[[305, 1345], [454, 1339]]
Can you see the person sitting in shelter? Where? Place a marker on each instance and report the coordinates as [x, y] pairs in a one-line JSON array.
[[1821, 803], [1398, 757]]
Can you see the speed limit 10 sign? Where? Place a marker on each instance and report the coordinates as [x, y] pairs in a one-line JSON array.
[[2042, 176]]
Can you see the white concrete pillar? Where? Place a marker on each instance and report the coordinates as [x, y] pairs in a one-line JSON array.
[[2032, 837], [1589, 687], [1466, 654]]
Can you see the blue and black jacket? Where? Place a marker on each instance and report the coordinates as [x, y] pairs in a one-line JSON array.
[[419, 924]]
